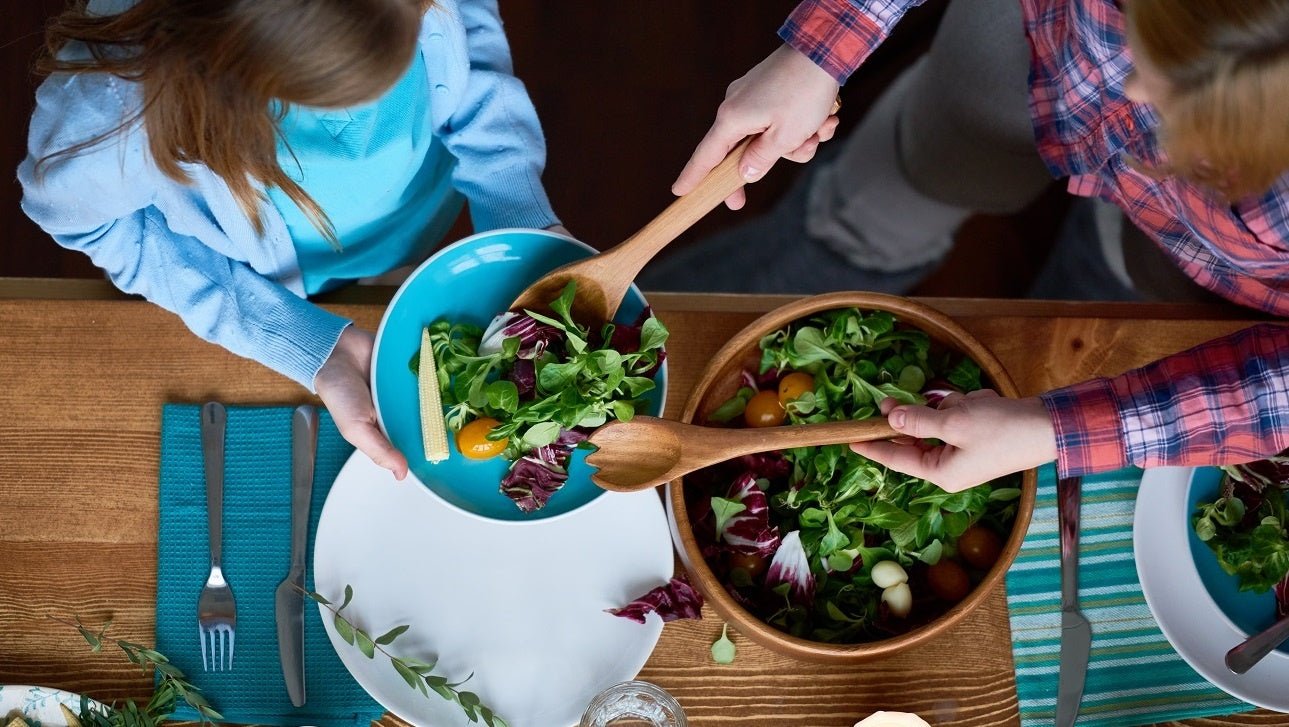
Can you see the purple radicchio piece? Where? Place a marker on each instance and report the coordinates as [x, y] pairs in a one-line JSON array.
[[768, 379], [625, 339], [791, 566], [936, 390], [1272, 472], [534, 336], [749, 532], [1282, 598], [766, 465], [524, 376], [537, 475], [675, 600]]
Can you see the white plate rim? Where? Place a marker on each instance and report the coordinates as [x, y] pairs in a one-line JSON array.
[[380, 332], [1160, 533], [345, 651], [62, 695]]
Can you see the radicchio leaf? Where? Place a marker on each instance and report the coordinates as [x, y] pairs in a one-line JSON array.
[[766, 465], [1257, 476], [534, 336], [936, 390], [524, 375], [791, 566], [767, 380], [676, 600], [625, 339], [749, 532], [537, 475], [1282, 597]]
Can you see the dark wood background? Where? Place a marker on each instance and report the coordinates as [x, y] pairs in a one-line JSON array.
[[624, 91]]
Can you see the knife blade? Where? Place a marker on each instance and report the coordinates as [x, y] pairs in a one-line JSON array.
[[1076, 632], [289, 607]]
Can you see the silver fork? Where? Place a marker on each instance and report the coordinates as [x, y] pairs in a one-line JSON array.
[[216, 609]]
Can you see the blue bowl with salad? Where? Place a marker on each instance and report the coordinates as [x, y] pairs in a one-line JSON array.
[[818, 553], [1238, 540], [490, 406]]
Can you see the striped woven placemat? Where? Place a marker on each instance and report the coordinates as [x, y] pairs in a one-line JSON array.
[[1135, 676]]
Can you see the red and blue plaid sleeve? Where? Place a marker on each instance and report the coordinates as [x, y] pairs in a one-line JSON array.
[[1222, 402], [839, 34]]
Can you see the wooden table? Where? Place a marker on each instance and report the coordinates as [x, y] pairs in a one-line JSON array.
[[84, 378]]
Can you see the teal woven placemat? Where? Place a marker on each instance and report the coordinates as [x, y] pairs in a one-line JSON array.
[[257, 522], [1135, 677]]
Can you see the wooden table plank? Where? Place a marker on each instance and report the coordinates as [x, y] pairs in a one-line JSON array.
[[79, 434]]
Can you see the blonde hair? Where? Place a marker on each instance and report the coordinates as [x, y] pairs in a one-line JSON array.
[[212, 70], [1225, 121]]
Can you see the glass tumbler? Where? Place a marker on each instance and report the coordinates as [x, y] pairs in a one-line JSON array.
[[634, 704]]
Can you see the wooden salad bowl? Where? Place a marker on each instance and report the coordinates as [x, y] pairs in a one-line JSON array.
[[720, 380]]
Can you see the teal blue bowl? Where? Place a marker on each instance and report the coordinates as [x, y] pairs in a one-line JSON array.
[[1250, 612], [471, 281]]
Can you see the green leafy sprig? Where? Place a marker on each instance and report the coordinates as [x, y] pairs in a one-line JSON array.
[[173, 686], [417, 673]]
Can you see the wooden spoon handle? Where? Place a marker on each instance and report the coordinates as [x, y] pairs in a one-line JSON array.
[[631, 255], [738, 442]]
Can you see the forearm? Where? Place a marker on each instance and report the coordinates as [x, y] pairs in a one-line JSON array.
[[1222, 402]]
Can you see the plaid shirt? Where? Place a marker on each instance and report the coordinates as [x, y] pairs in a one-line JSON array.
[[1222, 402]]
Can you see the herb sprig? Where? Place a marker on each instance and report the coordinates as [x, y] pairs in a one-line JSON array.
[[418, 674], [173, 686]]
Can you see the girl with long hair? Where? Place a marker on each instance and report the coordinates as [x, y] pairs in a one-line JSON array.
[[226, 159]]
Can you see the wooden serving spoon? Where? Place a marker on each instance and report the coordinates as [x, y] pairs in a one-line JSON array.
[[603, 279], [646, 452]]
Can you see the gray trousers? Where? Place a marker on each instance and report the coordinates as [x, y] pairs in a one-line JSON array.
[[950, 137], [954, 136]]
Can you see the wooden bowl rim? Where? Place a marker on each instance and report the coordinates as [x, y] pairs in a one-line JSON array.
[[941, 328]]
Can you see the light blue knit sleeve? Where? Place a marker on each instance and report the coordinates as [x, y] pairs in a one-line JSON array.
[[101, 202], [494, 132]]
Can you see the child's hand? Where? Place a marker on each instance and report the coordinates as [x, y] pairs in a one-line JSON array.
[[785, 98], [343, 383], [985, 436]]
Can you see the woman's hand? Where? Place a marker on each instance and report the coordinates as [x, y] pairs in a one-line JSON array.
[[343, 383], [787, 99], [984, 436]]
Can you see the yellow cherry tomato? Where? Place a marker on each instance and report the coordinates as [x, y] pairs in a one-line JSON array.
[[764, 410], [794, 385], [473, 440]]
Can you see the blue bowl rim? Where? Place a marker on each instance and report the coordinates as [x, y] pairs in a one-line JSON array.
[[663, 377]]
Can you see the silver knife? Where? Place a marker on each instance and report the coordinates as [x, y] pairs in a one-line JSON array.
[[290, 592], [1076, 632]]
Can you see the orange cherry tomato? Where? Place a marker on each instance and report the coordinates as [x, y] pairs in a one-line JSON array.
[[794, 385], [764, 410], [473, 442], [979, 546], [948, 581]]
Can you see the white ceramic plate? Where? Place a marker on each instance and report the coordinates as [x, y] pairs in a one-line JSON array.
[[1186, 613], [520, 604], [38, 705]]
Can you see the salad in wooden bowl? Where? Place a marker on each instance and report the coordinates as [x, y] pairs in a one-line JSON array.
[[819, 553]]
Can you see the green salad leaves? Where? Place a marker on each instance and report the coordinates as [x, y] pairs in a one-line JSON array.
[[540, 382], [1247, 526], [849, 513]]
